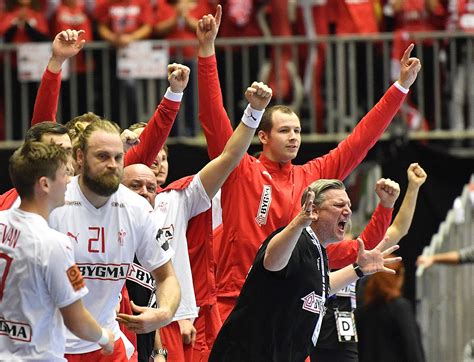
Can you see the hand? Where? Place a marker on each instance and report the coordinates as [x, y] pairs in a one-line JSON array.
[[258, 95], [306, 216], [178, 76], [388, 192], [206, 32], [129, 139], [124, 40], [425, 261], [188, 332], [108, 348], [409, 68], [416, 175], [67, 44], [373, 261], [148, 319]]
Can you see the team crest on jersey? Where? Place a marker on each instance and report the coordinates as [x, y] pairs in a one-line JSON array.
[[121, 236], [163, 207], [313, 303], [164, 235], [264, 208]]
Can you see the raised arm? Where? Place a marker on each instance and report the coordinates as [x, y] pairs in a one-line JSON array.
[[350, 152], [214, 174], [345, 253], [212, 115], [281, 246], [159, 126], [66, 44], [400, 226]]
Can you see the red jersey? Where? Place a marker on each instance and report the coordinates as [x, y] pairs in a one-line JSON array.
[[181, 31], [260, 195], [355, 17], [239, 18], [124, 16], [7, 199], [36, 20]]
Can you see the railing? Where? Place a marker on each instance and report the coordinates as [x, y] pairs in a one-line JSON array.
[[445, 294], [355, 72]]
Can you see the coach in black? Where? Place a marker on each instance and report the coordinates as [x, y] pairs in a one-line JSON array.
[[279, 311]]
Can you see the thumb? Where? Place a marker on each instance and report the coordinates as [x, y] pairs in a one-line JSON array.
[[137, 308]]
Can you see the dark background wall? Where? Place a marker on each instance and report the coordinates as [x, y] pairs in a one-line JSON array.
[[446, 176]]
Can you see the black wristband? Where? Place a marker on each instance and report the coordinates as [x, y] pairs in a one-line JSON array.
[[357, 270]]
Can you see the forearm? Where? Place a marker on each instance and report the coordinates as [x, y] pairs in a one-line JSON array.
[[80, 322], [156, 132], [143, 32], [106, 34], [451, 257], [47, 97], [404, 218], [212, 115], [163, 28], [341, 278], [168, 295], [281, 246]]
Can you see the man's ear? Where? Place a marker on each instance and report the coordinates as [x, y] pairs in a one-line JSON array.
[[263, 137], [80, 157], [43, 185]]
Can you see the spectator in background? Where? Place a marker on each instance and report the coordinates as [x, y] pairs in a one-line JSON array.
[[22, 22], [411, 16], [72, 14], [461, 18], [177, 20], [121, 22], [455, 257], [386, 322]]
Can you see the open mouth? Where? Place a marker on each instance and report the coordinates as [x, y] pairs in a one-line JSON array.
[[342, 225]]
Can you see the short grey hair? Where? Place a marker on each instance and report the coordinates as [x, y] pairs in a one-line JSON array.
[[319, 188]]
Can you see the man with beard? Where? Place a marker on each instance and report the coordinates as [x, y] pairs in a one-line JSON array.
[[108, 224]]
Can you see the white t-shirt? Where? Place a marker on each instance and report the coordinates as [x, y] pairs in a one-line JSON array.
[[173, 210], [35, 262], [105, 241]]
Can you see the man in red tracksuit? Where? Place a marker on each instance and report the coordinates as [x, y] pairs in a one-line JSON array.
[[263, 194]]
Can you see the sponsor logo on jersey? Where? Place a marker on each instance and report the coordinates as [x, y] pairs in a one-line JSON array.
[[73, 203], [103, 271], [313, 303], [141, 276], [264, 208], [118, 204], [15, 330], [72, 236], [75, 278], [164, 236]]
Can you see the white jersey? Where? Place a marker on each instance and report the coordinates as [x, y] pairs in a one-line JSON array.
[[173, 210], [37, 276], [105, 241]]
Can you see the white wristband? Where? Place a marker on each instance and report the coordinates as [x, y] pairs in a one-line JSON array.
[[104, 338], [252, 117]]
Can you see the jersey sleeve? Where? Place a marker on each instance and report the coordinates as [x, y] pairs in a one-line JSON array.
[[46, 102], [466, 255], [195, 198], [212, 115], [63, 278], [152, 249], [155, 134], [342, 160]]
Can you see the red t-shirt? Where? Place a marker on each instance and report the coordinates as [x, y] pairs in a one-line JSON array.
[[124, 16], [36, 20]]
